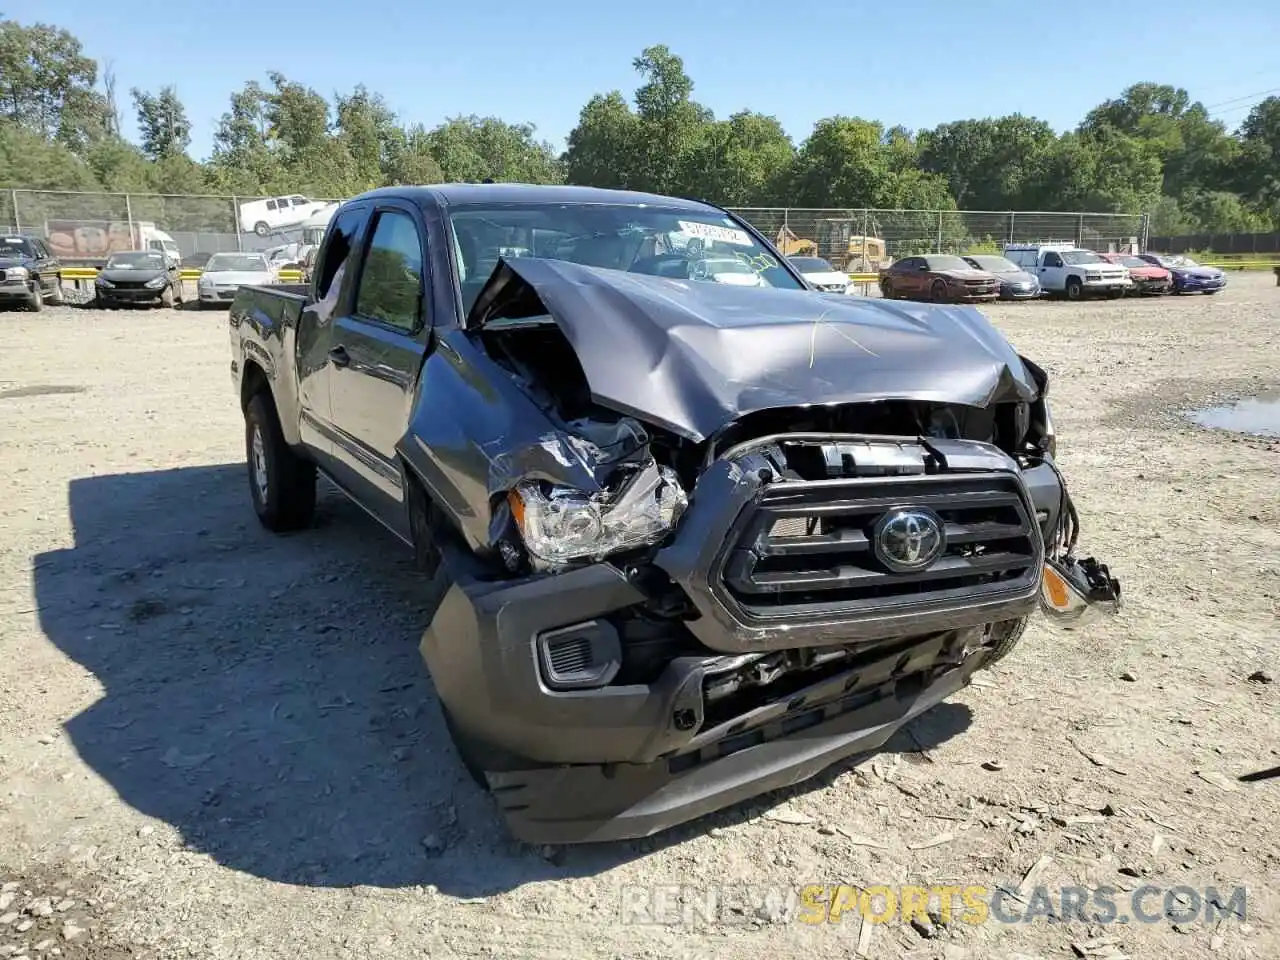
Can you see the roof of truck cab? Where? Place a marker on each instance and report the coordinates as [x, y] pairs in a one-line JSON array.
[[466, 193]]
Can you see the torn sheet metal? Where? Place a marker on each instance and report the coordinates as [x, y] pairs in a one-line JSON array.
[[692, 356]]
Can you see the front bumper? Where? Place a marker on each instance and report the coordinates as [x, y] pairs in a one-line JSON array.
[[1151, 287], [1012, 292], [12, 290], [129, 295], [1198, 284], [216, 294], [631, 758]]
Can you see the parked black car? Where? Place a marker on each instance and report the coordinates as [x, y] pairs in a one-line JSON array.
[[702, 539], [30, 275], [140, 277]]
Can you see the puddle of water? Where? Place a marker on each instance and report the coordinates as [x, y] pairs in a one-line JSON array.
[[1259, 416], [39, 390]]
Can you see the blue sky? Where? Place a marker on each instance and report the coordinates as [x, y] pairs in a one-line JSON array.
[[919, 63]]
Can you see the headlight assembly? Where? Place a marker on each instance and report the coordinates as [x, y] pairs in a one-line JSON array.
[[560, 524], [17, 273], [157, 283]]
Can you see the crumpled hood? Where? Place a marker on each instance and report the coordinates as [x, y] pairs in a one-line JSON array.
[[693, 356]]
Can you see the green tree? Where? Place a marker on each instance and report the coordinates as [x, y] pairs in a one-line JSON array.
[[162, 123], [47, 84], [601, 147], [471, 149]]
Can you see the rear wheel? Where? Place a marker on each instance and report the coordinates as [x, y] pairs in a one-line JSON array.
[[261, 228], [282, 484], [886, 289]]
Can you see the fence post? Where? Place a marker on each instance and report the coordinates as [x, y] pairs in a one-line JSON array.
[[235, 223], [128, 212], [17, 220], [1011, 216], [1079, 229], [866, 264], [939, 250]]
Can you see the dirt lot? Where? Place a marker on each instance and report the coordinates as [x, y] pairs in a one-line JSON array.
[[219, 743]]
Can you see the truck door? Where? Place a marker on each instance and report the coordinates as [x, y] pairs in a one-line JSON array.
[[1053, 272], [378, 344]]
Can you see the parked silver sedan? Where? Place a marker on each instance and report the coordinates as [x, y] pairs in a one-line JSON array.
[[225, 273]]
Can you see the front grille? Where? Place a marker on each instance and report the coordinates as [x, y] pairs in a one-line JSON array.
[[806, 547], [4, 277], [130, 284]]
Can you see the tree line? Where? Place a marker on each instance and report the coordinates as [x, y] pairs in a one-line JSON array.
[[1151, 149]]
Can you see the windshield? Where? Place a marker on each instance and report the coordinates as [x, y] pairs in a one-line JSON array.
[[235, 261], [1080, 256], [993, 264], [136, 261], [1132, 262], [1177, 261], [679, 244], [15, 247], [946, 263], [811, 265]]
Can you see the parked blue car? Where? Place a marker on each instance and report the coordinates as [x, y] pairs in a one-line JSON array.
[[1188, 276]]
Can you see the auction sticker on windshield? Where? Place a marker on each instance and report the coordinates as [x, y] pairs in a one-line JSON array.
[[709, 231]]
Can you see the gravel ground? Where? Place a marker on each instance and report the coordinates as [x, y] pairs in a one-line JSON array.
[[219, 743]]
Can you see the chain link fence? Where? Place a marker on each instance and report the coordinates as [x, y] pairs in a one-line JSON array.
[[84, 227], [861, 240]]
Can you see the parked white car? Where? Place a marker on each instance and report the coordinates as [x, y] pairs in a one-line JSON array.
[[729, 270], [264, 217], [225, 273], [822, 274], [1066, 269]]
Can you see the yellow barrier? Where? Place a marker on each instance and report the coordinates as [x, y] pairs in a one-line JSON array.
[[91, 273]]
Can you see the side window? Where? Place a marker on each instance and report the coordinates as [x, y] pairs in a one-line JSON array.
[[338, 245], [271, 204], [282, 203], [1052, 260], [391, 279], [300, 201]]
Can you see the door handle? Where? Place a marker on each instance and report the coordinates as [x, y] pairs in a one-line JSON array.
[[339, 357]]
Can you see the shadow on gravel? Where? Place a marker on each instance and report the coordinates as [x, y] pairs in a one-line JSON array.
[[264, 695]]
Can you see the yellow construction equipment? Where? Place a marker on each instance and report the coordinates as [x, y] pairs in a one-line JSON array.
[[791, 245]]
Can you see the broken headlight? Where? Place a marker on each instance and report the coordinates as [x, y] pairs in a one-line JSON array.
[[559, 524]]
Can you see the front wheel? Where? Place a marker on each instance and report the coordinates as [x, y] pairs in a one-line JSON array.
[[1002, 637], [1075, 289], [938, 292], [56, 295], [282, 484]]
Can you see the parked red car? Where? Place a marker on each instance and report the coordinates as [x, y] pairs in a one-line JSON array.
[[1148, 279]]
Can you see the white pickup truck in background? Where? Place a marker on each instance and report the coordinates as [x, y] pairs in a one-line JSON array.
[[1066, 269]]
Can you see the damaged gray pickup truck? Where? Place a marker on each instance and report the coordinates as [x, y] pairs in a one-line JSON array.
[[705, 530]]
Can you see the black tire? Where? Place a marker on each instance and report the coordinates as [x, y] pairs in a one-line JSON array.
[[423, 524], [1075, 289], [57, 296], [886, 289], [166, 298], [938, 292], [261, 228], [1210, 293], [35, 303], [1002, 637], [281, 484]]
